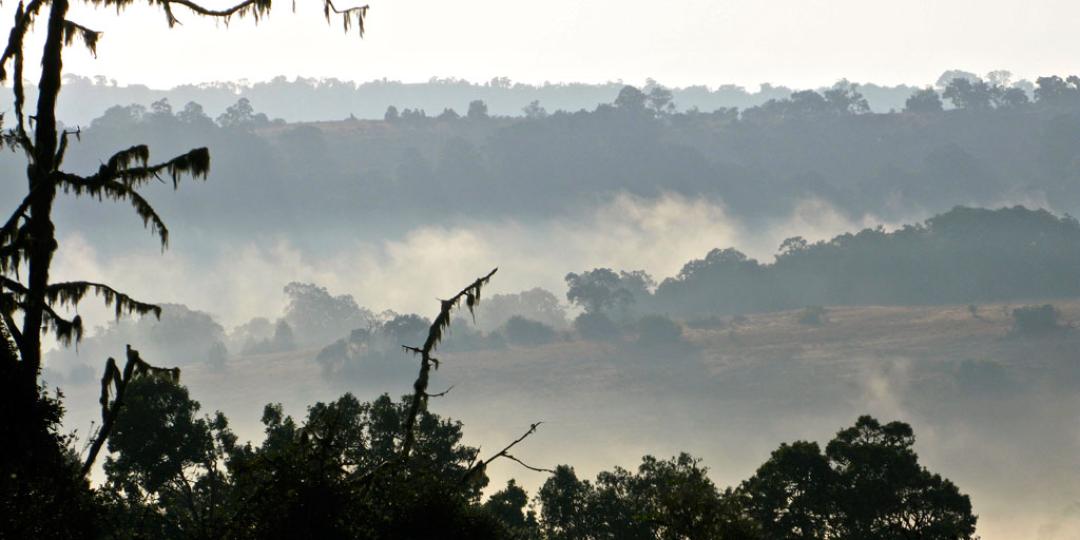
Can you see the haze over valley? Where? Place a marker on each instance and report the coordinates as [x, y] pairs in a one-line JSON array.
[[580, 271]]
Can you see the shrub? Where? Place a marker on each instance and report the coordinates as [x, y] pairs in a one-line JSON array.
[[658, 330], [596, 327], [527, 332], [1036, 320]]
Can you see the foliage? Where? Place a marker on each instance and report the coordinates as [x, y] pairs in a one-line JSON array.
[[477, 110], [28, 243], [977, 94], [843, 99], [602, 290], [631, 99], [963, 256], [167, 475], [391, 114], [867, 484], [242, 115], [761, 165], [318, 317], [536, 304], [522, 331], [534, 110], [508, 506], [658, 331], [310, 480], [595, 326], [373, 352], [180, 337], [670, 499], [1036, 320], [925, 101], [175, 475], [44, 493]]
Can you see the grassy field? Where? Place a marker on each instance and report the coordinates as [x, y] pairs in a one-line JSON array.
[[994, 412]]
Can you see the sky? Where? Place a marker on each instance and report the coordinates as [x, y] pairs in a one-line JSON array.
[[800, 43]]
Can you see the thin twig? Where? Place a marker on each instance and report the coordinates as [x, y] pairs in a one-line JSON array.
[[527, 466], [443, 393], [475, 470]]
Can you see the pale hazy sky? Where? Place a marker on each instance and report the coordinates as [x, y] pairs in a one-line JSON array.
[[800, 43]]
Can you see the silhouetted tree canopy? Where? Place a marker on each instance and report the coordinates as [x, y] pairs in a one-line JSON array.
[[522, 331], [965, 255], [867, 484], [761, 162], [477, 110], [1037, 321], [602, 290], [925, 101], [47, 491], [317, 317]]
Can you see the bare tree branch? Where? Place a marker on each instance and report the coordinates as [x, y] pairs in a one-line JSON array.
[[471, 294], [503, 452], [113, 378], [441, 394], [477, 470], [527, 466], [64, 143]]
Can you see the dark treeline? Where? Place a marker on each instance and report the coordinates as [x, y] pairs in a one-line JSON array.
[[333, 99], [997, 146], [382, 469], [311, 478], [965, 256]]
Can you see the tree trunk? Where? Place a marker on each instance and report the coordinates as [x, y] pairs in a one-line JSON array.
[[42, 193]]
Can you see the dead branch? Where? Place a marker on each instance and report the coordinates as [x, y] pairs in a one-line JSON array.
[[505, 452], [471, 294], [476, 472], [443, 393], [116, 383], [527, 466]]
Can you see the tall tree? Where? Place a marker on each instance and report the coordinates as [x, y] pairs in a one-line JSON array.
[[925, 100], [31, 304], [867, 484]]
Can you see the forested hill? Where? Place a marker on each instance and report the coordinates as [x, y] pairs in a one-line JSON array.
[[964, 256], [997, 148], [306, 99]]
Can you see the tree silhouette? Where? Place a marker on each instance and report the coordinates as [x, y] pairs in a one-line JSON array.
[[926, 100], [478, 110], [966, 94], [867, 484], [28, 243]]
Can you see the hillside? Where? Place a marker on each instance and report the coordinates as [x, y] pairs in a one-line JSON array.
[[735, 389], [758, 164]]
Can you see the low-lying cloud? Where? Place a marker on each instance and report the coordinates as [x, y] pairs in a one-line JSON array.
[[407, 273]]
